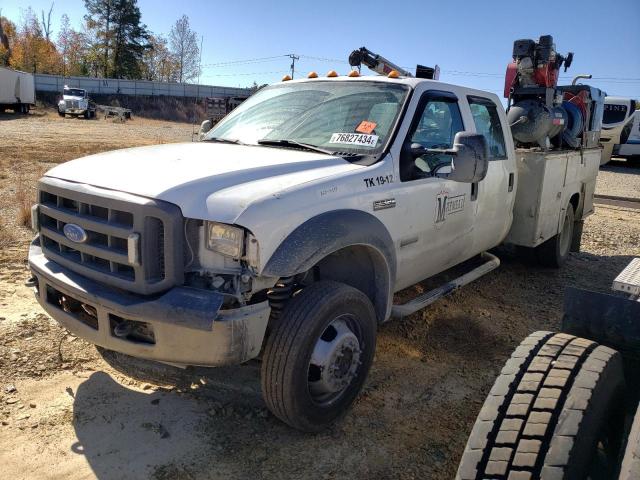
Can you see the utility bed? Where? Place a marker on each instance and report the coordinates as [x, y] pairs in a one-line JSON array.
[[545, 181]]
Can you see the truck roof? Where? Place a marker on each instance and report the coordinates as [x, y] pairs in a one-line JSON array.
[[409, 81]]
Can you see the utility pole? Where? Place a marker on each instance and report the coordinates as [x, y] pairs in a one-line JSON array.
[[293, 58]]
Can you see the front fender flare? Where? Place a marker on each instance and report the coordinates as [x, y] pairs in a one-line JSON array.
[[329, 232]]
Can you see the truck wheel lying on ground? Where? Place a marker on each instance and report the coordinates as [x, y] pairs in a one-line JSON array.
[[555, 412], [318, 355]]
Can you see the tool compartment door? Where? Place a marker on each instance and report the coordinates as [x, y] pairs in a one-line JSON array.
[[539, 197]]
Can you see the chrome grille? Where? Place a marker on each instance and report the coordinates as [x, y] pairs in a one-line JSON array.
[[114, 223], [72, 103]]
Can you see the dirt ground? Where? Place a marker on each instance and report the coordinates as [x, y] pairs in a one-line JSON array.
[[64, 413]]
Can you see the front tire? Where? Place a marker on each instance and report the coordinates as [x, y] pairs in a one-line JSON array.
[[318, 355]]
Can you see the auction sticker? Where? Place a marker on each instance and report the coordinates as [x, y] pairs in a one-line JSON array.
[[359, 139]]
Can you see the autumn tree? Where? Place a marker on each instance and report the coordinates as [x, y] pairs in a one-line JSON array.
[[72, 45], [184, 46], [31, 51], [7, 38], [159, 63]]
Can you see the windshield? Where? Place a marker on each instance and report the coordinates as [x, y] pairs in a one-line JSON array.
[[347, 118], [73, 92], [614, 113]]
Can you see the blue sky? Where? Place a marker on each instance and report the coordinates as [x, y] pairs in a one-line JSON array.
[[471, 41]]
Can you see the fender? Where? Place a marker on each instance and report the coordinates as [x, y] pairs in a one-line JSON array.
[[329, 232]]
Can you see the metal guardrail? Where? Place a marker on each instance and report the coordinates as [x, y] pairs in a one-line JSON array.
[[116, 86]]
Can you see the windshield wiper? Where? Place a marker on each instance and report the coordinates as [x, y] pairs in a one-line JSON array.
[[293, 143], [223, 140]]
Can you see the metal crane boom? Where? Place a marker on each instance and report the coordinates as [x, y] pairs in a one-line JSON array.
[[375, 62]]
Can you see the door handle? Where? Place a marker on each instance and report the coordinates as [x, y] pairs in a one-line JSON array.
[[511, 180]]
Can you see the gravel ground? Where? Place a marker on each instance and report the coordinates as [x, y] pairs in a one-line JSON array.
[[64, 413], [619, 179]]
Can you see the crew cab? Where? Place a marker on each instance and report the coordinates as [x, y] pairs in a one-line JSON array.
[[285, 233]]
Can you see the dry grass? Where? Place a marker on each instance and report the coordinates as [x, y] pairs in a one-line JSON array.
[[6, 238], [25, 197]]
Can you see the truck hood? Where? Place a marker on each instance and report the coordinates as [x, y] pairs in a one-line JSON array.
[[206, 180]]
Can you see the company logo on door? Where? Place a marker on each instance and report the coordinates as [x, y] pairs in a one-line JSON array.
[[447, 205]]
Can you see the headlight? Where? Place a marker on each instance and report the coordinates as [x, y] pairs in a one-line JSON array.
[[225, 239]]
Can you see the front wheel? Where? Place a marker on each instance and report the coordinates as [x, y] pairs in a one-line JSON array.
[[318, 355]]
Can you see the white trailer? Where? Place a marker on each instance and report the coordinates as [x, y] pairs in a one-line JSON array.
[[17, 90]]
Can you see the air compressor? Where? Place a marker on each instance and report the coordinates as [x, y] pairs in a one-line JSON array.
[[543, 114]]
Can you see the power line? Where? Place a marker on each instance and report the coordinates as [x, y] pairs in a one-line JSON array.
[[240, 74], [246, 61]]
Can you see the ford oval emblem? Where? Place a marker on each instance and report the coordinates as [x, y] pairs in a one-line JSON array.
[[75, 233]]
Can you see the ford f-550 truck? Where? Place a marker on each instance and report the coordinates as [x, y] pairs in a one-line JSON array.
[[285, 233]]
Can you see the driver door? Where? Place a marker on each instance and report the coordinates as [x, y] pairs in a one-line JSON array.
[[439, 213]]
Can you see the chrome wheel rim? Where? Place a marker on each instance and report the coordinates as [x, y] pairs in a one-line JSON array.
[[335, 360]]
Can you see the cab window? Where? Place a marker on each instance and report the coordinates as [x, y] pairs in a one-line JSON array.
[[487, 122], [438, 123]]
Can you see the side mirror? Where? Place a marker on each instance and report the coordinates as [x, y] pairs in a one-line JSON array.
[[470, 152], [470, 162]]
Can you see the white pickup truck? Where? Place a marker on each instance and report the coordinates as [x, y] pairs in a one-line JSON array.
[[286, 232]]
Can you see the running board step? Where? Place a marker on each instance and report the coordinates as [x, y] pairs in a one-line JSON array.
[[403, 310]]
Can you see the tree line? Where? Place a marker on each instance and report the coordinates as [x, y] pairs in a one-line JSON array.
[[113, 42]]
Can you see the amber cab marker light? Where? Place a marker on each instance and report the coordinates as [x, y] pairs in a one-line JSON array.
[[354, 73], [393, 74], [286, 78], [332, 73], [312, 75]]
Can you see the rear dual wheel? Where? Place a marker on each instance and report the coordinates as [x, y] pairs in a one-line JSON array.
[[555, 251], [318, 355]]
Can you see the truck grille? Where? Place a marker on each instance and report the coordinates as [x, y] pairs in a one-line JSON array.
[[129, 242], [72, 103]]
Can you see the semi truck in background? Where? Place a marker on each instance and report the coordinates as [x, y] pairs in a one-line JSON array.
[[17, 90], [76, 102], [620, 129]]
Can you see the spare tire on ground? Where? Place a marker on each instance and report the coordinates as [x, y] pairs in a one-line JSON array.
[[555, 412]]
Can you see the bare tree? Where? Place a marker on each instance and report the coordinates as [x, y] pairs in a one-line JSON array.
[[184, 46], [46, 23]]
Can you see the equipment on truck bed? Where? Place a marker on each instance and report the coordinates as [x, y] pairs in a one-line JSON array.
[[382, 66], [543, 114]]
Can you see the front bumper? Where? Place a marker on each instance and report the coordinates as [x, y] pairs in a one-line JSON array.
[[188, 326]]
